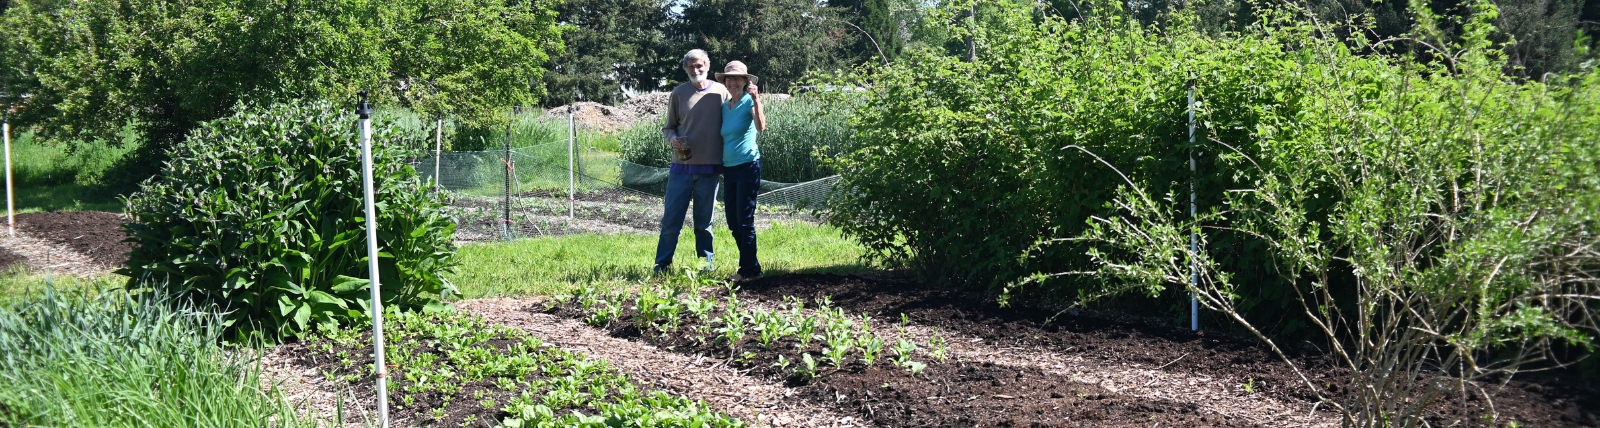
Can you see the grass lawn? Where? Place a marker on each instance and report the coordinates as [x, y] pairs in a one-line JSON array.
[[550, 266]]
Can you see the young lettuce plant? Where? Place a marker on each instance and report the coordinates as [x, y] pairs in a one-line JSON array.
[[839, 337], [903, 352], [807, 371], [870, 348], [733, 324], [805, 332]]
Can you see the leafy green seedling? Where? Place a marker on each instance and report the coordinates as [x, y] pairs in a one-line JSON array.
[[870, 348]]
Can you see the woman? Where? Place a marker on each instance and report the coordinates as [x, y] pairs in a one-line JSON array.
[[742, 121]]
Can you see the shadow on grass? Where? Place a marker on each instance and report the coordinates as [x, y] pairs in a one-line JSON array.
[[66, 197]]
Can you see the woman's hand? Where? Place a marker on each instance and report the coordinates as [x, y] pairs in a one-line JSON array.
[[755, 91]]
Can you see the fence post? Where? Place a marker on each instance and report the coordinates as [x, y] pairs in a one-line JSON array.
[[11, 219], [572, 187], [505, 225], [364, 109], [1194, 237]]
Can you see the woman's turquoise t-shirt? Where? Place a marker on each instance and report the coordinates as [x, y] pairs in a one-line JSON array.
[[739, 133]]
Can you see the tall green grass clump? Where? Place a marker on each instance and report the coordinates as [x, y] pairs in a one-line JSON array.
[[802, 133], [259, 216], [528, 128], [112, 360]]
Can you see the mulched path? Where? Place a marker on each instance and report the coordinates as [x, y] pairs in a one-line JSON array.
[[95, 234], [1134, 343]]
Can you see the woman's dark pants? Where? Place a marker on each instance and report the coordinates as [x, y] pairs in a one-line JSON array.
[[741, 183]]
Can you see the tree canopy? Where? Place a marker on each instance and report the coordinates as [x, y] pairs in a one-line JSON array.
[[81, 70]]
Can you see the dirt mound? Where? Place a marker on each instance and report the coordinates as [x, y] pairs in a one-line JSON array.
[[95, 234], [645, 107], [593, 116]]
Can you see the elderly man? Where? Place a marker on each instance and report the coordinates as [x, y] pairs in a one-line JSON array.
[[694, 129]]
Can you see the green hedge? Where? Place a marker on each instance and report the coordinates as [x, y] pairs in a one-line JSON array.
[[972, 172], [260, 215]]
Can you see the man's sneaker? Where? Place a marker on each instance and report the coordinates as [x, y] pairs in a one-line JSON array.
[[663, 270], [741, 278], [708, 266]]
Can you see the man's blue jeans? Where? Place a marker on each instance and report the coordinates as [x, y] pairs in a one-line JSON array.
[[681, 189], [743, 182]]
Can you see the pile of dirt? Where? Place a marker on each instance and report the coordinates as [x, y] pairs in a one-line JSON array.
[[95, 234], [647, 106], [594, 116]]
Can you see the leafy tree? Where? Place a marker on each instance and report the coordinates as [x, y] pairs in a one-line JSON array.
[[883, 30], [781, 40], [611, 44], [80, 70]]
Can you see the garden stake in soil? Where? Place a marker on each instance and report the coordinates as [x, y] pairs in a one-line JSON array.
[[505, 222], [572, 186], [1194, 243], [11, 220], [364, 109]]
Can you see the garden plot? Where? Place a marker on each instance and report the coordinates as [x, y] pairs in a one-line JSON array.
[[888, 376], [82, 244], [453, 369], [955, 360]]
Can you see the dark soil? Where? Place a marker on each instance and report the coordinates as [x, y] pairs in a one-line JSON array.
[[946, 394], [10, 259], [95, 234], [1549, 402]]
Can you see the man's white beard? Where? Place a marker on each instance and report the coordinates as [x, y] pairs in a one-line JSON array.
[[697, 78]]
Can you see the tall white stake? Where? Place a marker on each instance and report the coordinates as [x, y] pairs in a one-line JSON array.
[[572, 186], [438, 146], [1194, 237], [365, 110], [11, 219]]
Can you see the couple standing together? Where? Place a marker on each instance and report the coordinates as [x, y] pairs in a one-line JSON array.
[[712, 127]]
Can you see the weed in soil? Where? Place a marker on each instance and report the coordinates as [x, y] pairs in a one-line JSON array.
[[451, 369]]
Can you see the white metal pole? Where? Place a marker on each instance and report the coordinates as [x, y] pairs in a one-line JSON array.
[[438, 146], [11, 219], [572, 186], [365, 110], [1194, 237]]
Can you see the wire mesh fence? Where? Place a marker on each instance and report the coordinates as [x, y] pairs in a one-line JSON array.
[[568, 187]]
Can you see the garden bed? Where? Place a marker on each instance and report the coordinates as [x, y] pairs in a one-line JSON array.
[[970, 363], [453, 369], [1142, 343], [909, 379], [95, 234]]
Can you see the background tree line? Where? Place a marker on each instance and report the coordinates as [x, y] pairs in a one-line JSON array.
[[78, 71]]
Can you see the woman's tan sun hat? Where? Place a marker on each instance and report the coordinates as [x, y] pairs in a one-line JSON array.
[[736, 68]]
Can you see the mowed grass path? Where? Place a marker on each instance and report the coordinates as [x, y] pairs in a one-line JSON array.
[[556, 265]]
